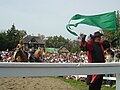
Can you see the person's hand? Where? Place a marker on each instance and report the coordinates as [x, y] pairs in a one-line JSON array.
[[82, 37]]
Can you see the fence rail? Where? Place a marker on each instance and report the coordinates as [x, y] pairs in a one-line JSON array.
[[59, 69]]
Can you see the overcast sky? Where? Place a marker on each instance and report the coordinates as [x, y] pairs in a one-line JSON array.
[[49, 17]]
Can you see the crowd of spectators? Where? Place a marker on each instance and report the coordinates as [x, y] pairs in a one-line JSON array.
[[6, 56], [66, 57], [81, 57]]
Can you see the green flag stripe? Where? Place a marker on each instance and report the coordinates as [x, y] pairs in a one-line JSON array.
[[69, 29]]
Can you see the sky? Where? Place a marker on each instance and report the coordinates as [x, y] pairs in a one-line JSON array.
[[50, 17]]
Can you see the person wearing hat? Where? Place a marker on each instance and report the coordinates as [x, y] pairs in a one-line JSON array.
[[95, 48]]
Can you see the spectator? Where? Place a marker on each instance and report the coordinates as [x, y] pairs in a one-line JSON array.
[[0, 58], [95, 47]]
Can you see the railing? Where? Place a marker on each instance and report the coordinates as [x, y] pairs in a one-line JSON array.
[[59, 69], [77, 77]]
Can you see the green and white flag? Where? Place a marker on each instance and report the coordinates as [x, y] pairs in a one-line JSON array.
[[106, 21]]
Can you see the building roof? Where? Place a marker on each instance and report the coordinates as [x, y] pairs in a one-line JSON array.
[[62, 50], [33, 39]]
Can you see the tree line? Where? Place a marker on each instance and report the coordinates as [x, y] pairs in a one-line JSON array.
[[10, 38]]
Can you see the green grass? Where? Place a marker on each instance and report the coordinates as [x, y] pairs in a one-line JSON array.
[[82, 85]]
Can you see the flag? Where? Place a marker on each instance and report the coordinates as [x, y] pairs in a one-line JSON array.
[[106, 21]]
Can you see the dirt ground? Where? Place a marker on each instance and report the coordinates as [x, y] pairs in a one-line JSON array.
[[34, 83]]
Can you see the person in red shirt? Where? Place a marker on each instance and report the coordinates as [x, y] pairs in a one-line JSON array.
[[95, 48]]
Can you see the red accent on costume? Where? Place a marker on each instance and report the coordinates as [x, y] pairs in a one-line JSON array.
[[89, 46]]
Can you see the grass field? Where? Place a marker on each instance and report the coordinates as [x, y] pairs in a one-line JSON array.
[[82, 85]]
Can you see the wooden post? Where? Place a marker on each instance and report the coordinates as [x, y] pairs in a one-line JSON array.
[[117, 81]]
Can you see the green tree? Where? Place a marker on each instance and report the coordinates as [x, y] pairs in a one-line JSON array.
[[3, 41], [57, 42], [14, 36], [111, 35], [75, 46]]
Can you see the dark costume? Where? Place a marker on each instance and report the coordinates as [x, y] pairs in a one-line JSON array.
[[95, 55]]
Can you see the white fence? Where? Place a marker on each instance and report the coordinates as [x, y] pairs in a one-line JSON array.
[[77, 77], [59, 69]]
